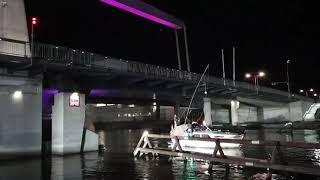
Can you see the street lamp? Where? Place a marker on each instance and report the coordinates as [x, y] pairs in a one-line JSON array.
[[34, 22], [285, 82], [303, 91], [256, 78], [288, 79]]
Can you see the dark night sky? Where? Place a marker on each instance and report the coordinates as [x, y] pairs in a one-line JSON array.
[[265, 34]]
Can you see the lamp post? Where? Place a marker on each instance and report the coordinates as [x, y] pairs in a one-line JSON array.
[[256, 79], [34, 22], [288, 78]]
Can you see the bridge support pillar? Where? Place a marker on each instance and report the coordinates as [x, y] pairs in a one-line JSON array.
[[234, 112], [260, 115], [207, 110], [67, 126], [20, 121], [177, 116]]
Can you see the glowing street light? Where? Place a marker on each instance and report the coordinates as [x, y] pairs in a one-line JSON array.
[[34, 20], [305, 92], [256, 78], [311, 90], [261, 74]]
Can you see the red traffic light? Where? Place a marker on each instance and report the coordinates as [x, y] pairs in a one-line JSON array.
[[34, 21]]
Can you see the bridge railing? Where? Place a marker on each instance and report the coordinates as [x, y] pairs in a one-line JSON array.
[[62, 55], [14, 47]]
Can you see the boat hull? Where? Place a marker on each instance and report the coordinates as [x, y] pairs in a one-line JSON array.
[[230, 149]]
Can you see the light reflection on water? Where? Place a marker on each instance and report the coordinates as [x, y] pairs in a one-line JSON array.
[[119, 163]]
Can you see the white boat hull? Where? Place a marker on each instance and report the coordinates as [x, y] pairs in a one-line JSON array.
[[229, 149]]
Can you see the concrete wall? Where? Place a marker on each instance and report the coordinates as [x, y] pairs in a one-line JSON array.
[[292, 112], [247, 114], [13, 11], [220, 115], [13, 25], [297, 110], [67, 126], [167, 113], [20, 122], [119, 113]]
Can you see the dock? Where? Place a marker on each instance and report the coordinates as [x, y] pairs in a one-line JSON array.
[[276, 162]]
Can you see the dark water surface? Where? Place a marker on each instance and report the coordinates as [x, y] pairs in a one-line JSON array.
[[118, 162]]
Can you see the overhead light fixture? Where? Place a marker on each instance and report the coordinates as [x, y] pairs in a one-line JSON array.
[[17, 95], [101, 105]]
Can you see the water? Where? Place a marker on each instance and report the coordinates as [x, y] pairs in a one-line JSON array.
[[119, 163]]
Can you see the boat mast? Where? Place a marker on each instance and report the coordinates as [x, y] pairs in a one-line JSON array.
[[194, 92]]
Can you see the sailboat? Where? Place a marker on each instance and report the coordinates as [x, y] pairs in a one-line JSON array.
[[194, 129]]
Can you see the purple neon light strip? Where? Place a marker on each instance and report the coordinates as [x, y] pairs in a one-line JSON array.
[[141, 13]]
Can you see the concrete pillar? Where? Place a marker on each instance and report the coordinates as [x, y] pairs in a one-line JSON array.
[[207, 111], [68, 118], [157, 111], [177, 116], [260, 114], [234, 112], [102, 141], [20, 121], [13, 11], [177, 109]]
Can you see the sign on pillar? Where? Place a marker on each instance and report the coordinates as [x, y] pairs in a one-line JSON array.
[[74, 100]]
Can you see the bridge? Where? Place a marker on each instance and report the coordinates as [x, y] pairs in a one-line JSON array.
[[131, 74], [57, 90]]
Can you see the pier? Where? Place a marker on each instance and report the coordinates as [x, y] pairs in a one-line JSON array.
[[145, 147]]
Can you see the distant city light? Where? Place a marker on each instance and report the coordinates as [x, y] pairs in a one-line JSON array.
[[315, 94], [131, 105], [301, 90], [311, 90], [247, 75]]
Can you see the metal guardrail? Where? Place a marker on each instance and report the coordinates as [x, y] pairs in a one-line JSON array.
[[14, 47], [71, 57]]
